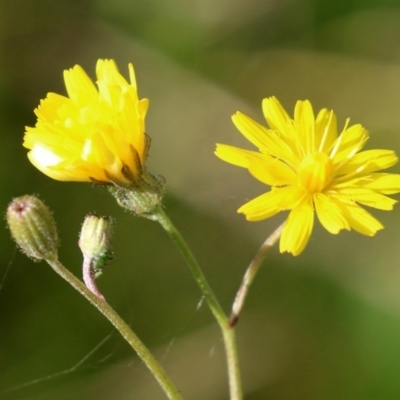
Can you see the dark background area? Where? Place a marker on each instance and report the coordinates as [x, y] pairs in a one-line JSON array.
[[324, 325]]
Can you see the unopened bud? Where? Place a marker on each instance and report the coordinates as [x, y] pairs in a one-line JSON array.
[[33, 228], [95, 241]]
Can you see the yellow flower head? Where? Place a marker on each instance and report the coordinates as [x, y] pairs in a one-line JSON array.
[[94, 134], [309, 167]]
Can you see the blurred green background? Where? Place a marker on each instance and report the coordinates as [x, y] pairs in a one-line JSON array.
[[324, 325]]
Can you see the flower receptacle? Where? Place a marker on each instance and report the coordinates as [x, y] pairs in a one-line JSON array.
[[142, 197]]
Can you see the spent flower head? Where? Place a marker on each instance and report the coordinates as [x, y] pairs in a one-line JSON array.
[[311, 168]]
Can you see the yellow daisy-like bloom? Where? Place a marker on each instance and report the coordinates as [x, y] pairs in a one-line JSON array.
[[309, 167], [94, 134]]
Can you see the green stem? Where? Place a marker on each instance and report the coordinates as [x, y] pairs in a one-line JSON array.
[[250, 274], [228, 332], [122, 327]]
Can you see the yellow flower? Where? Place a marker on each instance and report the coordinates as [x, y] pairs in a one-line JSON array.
[[94, 134], [309, 167]]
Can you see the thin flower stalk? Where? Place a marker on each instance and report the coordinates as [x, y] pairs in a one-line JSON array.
[[250, 274], [228, 332], [122, 327], [89, 277]]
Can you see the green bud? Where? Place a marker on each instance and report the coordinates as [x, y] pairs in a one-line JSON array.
[[95, 241], [33, 228]]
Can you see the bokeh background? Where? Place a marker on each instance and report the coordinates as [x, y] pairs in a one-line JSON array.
[[324, 325]]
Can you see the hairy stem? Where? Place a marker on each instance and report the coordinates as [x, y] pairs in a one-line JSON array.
[[250, 274], [122, 327], [228, 332]]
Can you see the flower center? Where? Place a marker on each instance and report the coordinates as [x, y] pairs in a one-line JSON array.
[[315, 172]]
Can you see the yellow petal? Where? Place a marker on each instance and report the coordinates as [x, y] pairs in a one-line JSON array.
[[271, 171], [79, 87], [350, 142], [276, 116], [384, 183], [132, 76], [268, 141], [297, 230], [359, 219], [261, 207], [368, 161], [143, 106], [110, 82], [47, 163], [268, 204], [304, 123], [49, 107], [325, 130], [234, 155], [365, 196], [329, 214]]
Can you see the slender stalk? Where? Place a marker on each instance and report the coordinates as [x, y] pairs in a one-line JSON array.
[[228, 332], [122, 327], [250, 274], [88, 277]]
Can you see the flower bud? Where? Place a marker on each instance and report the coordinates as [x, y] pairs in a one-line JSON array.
[[33, 228], [95, 241]]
